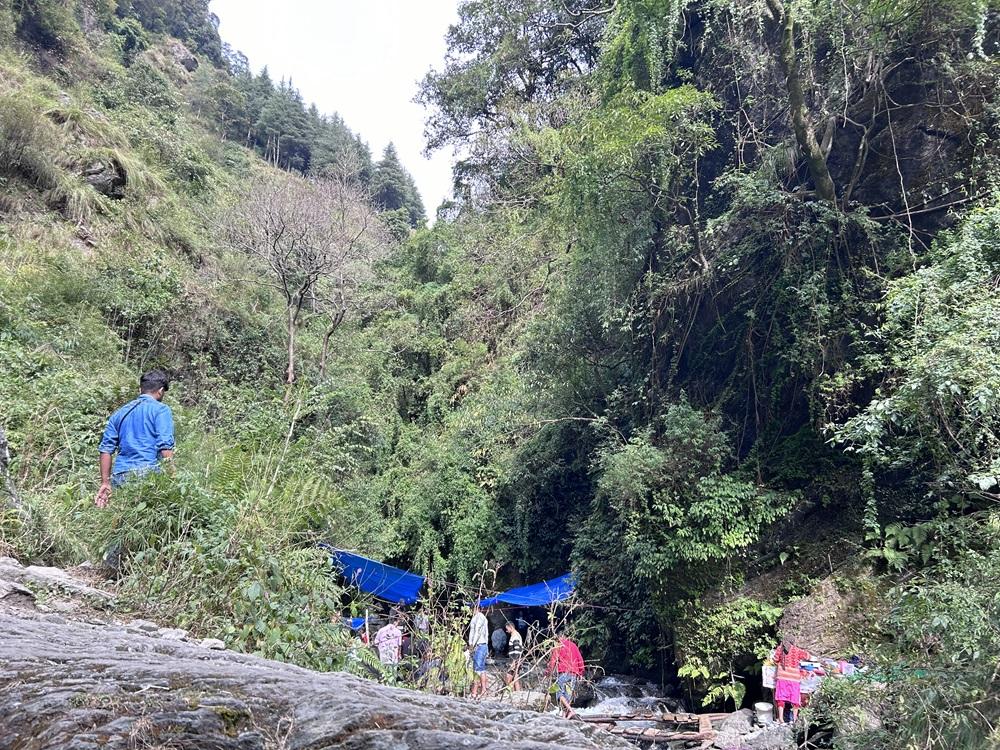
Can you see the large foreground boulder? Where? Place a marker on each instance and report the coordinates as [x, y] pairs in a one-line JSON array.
[[55, 581], [80, 686]]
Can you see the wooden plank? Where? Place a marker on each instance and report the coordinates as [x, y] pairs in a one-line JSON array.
[[660, 735], [661, 718]]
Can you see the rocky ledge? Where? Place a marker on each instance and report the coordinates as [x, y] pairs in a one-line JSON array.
[[85, 685]]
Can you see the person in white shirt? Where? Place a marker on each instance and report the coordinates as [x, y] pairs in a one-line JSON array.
[[479, 637], [388, 642]]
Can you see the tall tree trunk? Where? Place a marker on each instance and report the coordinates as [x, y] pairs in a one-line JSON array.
[[290, 370], [335, 322], [805, 132]]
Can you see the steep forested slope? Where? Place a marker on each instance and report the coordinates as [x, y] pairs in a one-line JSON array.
[[713, 315], [135, 149]]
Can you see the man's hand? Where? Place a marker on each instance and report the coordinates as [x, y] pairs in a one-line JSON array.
[[103, 495], [167, 460]]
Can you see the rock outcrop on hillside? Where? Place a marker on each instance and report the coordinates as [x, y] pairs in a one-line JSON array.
[[78, 685], [830, 619]]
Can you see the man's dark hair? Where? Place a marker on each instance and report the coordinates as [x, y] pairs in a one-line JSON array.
[[153, 381]]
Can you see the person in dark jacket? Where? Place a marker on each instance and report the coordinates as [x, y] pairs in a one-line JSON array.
[[515, 652]]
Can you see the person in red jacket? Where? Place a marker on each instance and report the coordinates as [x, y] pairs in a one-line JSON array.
[[566, 663]]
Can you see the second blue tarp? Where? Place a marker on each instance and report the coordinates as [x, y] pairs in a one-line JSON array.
[[536, 595]]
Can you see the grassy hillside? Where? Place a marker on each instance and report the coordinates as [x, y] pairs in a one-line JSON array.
[[116, 182]]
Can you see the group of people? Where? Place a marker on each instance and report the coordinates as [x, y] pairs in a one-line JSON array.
[[392, 643], [565, 665], [139, 439]]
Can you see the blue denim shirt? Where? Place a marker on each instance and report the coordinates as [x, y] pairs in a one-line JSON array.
[[138, 431]]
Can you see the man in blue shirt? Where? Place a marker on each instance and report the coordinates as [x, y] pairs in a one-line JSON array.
[[142, 432]]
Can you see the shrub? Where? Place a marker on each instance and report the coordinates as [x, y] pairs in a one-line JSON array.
[[47, 23], [933, 684], [60, 371], [84, 125], [7, 26], [27, 142], [679, 507], [936, 411], [140, 85], [76, 199], [130, 37], [138, 292], [226, 548], [722, 645]]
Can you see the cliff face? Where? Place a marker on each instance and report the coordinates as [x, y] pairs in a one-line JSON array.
[[79, 686]]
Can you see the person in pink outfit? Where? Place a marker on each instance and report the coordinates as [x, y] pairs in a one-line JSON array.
[[788, 682]]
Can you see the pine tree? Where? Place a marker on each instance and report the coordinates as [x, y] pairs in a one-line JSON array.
[[395, 189]]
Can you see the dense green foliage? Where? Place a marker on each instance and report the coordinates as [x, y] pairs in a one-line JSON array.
[[642, 342], [939, 649], [940, 332]]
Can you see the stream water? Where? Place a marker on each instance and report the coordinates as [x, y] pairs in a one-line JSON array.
[[620, 694]]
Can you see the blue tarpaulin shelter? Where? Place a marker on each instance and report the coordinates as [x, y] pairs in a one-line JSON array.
[[383, 581], [535, 595], [402, 587]]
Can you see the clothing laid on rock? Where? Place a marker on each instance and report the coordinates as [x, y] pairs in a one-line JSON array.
[[810, 683]]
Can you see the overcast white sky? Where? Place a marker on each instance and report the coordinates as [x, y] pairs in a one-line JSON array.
[[361, 58]]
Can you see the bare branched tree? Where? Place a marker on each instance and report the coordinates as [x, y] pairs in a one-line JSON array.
[[315, 239]]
